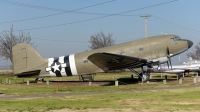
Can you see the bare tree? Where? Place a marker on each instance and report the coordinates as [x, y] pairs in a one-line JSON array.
[[8, 39], [100, 40], [195, 54]]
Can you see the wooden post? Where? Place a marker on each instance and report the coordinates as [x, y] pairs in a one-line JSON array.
[[9, 81], [116, 83], [164, 81], [47, 82], [27, 82], [195, 80], [90, 83], [180, 81]]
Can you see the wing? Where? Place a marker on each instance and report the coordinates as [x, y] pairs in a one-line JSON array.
[[108, 61]]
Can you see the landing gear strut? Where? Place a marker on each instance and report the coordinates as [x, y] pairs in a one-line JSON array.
[[143, 76]]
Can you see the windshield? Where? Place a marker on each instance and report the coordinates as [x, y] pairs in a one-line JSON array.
[[175, 39]]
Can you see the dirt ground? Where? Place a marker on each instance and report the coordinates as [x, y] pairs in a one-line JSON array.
[[116, 110]]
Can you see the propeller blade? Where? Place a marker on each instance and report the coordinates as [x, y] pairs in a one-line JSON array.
[[170, 62], [168, 65], [168, 55]]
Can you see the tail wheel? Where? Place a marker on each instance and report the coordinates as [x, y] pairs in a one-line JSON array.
[[144, 77], [39, 79]]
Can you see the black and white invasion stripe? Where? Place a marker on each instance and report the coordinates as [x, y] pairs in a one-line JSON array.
[[62, 66]]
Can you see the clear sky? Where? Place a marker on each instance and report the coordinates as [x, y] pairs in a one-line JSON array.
[[72, 22]]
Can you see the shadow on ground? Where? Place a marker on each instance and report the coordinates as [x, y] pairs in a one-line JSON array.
[[123, 81], [161, 80]]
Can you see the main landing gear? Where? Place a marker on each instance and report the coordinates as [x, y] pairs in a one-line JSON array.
[[39, 79], [143, 76]]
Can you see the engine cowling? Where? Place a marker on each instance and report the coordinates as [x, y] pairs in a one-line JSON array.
[[160, 60], [148, 69]]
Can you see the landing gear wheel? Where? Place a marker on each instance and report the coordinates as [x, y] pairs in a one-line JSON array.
[[36, 80], [144, 77]]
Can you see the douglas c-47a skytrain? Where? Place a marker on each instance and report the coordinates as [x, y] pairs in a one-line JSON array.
[[145, 52]]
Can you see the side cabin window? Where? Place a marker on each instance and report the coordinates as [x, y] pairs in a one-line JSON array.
[[122, 53], [131, 51], [141, 49], [172, 39], [85, 61]]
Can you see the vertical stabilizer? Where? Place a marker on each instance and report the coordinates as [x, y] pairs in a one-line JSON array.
[[25, 58]]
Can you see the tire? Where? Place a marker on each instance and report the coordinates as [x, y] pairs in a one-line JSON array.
[[145, 76], [36, 80]]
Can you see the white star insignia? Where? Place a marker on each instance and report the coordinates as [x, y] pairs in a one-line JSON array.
[[56, 67]]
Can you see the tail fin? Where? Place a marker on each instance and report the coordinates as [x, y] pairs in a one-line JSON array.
[[25, 58]]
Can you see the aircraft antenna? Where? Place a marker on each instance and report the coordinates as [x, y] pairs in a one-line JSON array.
[[146, 23]]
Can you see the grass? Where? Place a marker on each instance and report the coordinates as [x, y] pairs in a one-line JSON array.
[[165, 100], [18, 89], [34, 88], [168, 100]]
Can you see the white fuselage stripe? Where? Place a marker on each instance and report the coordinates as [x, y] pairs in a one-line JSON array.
[[50, 62], [72, 64], [61, 61]]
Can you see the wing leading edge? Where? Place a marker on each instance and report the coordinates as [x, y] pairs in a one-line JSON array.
[[108, 61]]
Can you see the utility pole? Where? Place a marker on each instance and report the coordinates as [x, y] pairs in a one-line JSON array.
[[146, 23]]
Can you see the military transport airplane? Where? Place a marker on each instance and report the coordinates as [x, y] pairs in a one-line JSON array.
[[149, 52]]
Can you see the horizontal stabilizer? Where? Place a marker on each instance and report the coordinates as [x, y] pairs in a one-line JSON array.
[[28, 74]]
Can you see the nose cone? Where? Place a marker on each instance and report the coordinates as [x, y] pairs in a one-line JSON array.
[[190, 43]]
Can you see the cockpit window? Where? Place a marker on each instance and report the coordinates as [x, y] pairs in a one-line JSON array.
[[175, 39]]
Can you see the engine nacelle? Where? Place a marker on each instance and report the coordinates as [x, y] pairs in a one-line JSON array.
[[148, 69], [160, 60], [154, 69]]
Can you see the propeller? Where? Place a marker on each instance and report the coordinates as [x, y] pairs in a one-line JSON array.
[[168, 55], [168, 65]]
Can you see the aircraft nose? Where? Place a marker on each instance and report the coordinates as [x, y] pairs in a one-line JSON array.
[[190, 43]]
